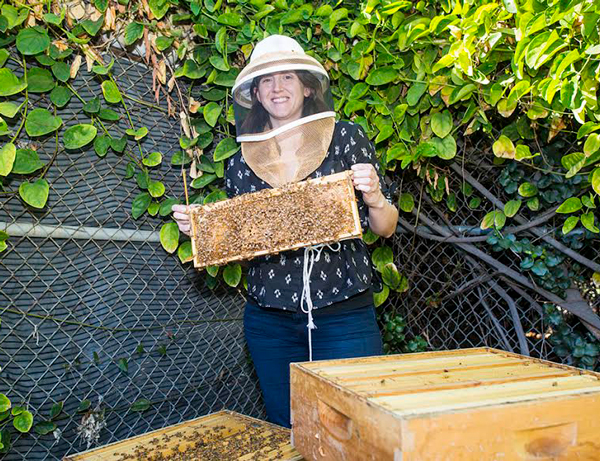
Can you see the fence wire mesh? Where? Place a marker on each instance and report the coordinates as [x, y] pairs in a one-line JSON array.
[[77, 311]]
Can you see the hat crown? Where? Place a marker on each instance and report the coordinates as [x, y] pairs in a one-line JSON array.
[[276, 44]]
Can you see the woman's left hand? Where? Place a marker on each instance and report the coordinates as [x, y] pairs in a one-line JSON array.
[[366, 180]]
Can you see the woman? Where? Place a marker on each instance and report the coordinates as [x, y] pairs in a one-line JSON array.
[[287, 129]]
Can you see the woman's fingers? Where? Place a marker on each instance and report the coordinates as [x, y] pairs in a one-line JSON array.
[[181, 216]]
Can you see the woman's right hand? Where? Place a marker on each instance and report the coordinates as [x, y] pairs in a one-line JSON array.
[[182, 217]]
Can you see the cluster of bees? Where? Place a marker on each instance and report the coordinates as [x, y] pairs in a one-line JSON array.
[[271, 222], [252, 441]]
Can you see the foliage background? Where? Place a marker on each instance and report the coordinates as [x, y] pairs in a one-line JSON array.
[[442, 88]]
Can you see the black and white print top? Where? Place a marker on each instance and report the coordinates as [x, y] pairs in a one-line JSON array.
[[276, 281]]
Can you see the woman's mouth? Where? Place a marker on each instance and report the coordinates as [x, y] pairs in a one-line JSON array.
[[279, 100]]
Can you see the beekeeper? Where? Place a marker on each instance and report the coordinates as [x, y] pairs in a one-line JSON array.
[[314, 303]]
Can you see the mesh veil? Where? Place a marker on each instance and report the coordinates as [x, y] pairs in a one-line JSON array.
[[283, 149]]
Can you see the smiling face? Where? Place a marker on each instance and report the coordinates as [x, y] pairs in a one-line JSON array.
[[282, 95]]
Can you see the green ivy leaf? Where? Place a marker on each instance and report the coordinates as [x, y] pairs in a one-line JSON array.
[[445, 148], [156, 189], [137, 134], [92, 27], [133, 32], [219, 63], [180, 157], [512, 208], [533, 204], [162, 43], [40, 122], [587, 219], [44, 427], [203, 181], [225, 149], [571, 205], [111, 92], [369, 237], [212, 270], [153, 208], [39, 80], [140, 405], [92, 106], [140, 204], [84, 405], [60, 96], [184, 252], [406, 202], [78, 136], [570, 224], [232, 274], [35, 194], [56, 410], [109, 115], [10, 84], [231, 19], [123, 365], [61, 71], [8, 109], [23, 422], [159, 8], [118, 144], [595, 180], [211, 113], [415, 92], [8, 153], [51, 18], [103, 70], [26, 162], [382, 256], [527, 189], [592, 144], [4, 403], [382, 75], [390, 276], [380, 297], [101, 145], [441, 123], [32, 40], [215, 196], [169, 237], [154, 159], [504, 148]]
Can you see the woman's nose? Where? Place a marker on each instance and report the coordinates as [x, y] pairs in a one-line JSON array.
[[277, 84]]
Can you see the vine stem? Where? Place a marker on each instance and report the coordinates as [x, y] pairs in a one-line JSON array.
[[117, 330], [128, 114], [131, 157]]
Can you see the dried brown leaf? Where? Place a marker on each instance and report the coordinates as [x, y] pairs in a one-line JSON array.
[[75, 66], [194, 105]]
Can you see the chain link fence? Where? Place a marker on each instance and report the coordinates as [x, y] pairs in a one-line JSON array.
[[461, 294], [94, 309]]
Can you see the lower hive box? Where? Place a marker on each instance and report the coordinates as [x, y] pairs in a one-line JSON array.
[[321, 210], [222, 436], [470, 405]]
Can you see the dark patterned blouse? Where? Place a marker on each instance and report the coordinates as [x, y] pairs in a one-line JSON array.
[[276, 281]]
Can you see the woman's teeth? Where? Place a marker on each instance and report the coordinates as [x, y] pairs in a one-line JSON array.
[[278, 100]]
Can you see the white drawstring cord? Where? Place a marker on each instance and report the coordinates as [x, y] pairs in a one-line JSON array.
[[311, 255]]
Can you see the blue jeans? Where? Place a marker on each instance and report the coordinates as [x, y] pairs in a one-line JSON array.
[[277, 338]]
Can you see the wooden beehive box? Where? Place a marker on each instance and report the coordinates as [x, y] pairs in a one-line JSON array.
[[321, 210], [218, 437], [470, 405]]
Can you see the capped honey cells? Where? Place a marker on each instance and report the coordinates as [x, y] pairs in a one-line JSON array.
[[321, 210]]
